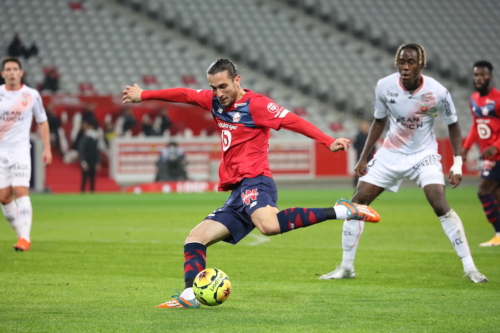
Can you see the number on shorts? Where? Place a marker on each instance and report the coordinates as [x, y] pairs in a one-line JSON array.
[[226, 139], [484, 131]]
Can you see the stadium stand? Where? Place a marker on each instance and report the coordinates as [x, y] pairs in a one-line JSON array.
[[319, 57], [312, 64], [97, 50], [449, 29]]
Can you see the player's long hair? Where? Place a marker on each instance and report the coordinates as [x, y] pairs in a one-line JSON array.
[[422, 57], [221, 65]]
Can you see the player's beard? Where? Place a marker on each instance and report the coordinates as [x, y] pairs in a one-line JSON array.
[[230, 99], [483, 88]]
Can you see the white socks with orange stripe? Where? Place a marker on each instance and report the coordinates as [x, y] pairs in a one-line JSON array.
[[351, 232], [25, 217], [454, 229], [11, 214]]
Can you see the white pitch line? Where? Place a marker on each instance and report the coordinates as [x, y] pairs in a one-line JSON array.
[[259, 239]]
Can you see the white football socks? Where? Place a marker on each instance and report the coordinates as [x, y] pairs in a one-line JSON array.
[[188, 293], [341, 212], [11, 214], [351, 232], [454, 229], [25, 217]]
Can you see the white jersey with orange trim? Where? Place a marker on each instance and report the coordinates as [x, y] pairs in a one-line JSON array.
[[17, 108], [412, 114]]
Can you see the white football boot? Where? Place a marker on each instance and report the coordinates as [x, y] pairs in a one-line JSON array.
[[339, 273], [475, 276]]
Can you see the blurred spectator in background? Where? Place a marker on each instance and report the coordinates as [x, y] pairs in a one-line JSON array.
[[51, 80], [125, 123], [88, 115], [54, 125], [359, 143], [172, 164], [162, 122], [147, 126], [31, 52], [109, 133], [16, 47], [89, 155]]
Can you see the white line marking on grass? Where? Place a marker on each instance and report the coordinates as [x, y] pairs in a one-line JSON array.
[[259, 239]]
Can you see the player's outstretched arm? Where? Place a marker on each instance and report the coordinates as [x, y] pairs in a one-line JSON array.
[[455, 175], [297, 124], [132, 94]]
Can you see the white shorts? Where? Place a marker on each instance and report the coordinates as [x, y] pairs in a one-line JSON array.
[[15, 167], [387, 169]]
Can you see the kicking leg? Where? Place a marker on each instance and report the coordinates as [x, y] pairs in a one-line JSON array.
[[203, 235], [270, 221], [351, 232], [454, 229]]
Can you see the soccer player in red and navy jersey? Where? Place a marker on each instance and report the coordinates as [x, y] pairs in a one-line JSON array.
[[485, 130], [244, 119]]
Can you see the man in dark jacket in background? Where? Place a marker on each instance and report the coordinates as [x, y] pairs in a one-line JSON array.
[[89, 155]]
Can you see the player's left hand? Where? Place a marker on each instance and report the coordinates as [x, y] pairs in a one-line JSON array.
[[454, 179], [489, 152], [47, 156], [132, 94], [340, 144]]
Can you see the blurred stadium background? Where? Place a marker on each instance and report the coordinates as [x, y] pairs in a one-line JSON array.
[[319, 58]]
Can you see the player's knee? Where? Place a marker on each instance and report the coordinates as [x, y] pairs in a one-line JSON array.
[[194, 237], [269, 227], [6, 198], [441, 208]]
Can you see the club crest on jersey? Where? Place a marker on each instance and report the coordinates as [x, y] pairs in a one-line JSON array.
[[249, 195], [236, 117], [25, 98], [219, 110], [273, 107]]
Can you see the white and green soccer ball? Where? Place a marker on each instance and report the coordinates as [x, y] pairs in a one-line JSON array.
[[212, 287]]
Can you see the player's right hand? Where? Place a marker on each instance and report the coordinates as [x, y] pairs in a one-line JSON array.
[[489, 152], [360, 168], [465, 151], [132, 94]]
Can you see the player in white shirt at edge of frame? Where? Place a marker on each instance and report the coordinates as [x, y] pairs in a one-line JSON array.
[[18, 104], [411, 101]]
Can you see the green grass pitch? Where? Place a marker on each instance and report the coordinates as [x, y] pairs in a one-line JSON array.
[[101, 263]]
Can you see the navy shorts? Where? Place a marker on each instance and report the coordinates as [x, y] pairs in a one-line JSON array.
[[490, 170], [249, 195]]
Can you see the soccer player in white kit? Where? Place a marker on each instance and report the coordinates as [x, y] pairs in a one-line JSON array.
[[18, 104], [411, 101]]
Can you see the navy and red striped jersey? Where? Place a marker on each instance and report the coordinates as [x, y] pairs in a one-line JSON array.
[[485, 129]]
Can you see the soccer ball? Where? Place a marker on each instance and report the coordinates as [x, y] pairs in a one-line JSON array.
[[211, 287]]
